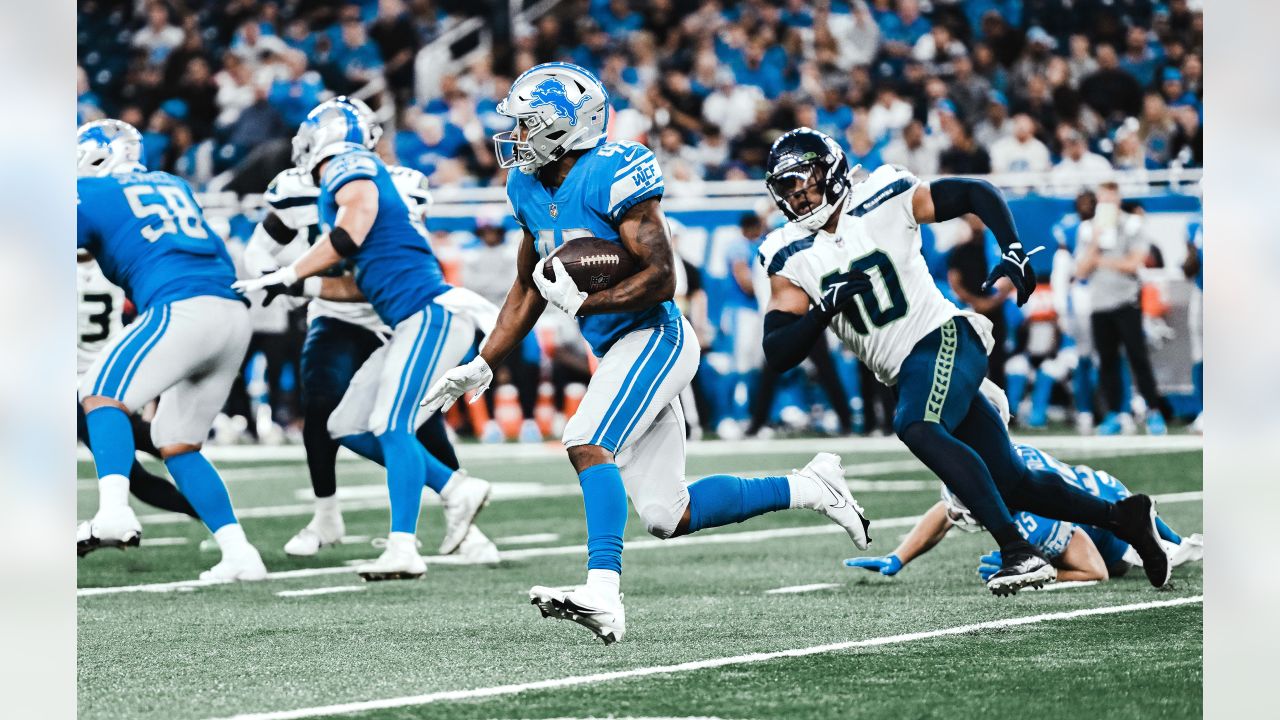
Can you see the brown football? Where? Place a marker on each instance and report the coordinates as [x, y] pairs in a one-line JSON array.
[[594, 263]]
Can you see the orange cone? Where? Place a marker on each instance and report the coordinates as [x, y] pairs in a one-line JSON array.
[[544, 413], [506, 410], [573, 393]]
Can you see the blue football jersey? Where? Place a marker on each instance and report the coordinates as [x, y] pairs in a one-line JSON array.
[[1098, 483], [150, 237], [602, 186], [1049, 536], [394, 266]]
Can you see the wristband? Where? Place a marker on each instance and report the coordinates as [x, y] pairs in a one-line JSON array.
[[311, 287]]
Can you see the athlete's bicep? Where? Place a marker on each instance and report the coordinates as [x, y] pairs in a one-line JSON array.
[[357, 208], [786, 296], [643, 232], [922, 205]]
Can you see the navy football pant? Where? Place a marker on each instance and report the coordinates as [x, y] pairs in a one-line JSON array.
[[334, 350]]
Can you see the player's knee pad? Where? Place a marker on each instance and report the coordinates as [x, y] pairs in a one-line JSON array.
[[661, 520], [1056, 367]]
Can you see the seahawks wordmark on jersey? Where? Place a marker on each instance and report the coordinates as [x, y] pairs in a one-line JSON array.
[[602, 186], [292, 196], [877, 233]]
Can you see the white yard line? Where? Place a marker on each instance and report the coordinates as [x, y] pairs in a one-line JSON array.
[[578, 680], [162, 541], [1067, 585], [794, 589], [475, 452], [322, 591], [530, 539], [536, 552]]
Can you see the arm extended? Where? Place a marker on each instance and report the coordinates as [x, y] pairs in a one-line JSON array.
[[357, 210], [643, 232], [520, 311], [928, 532]]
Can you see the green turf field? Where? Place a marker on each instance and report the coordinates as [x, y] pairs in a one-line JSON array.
[[463, 642]]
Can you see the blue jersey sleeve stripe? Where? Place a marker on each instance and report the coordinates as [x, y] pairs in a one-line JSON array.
[[893, 190], [652, 191], [780, 258]]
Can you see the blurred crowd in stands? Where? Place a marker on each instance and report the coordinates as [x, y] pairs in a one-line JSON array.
[[1069, 89], [949, 86]]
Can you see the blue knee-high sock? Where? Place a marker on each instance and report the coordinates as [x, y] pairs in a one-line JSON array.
[[111, 440], [409, 465], [605, 501], [1082, 385], [1015, 389], [1166, 533], [1040, 395], [365, 445], [718, 500], [203, 488]]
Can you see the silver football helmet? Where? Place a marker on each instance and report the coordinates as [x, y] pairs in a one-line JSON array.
[[106, 147], [331, 128], [958, 513], [557, 107]]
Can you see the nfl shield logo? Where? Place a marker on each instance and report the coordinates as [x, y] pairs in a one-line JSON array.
[[555, 211]]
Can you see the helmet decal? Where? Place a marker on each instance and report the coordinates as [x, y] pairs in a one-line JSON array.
[[551, 92]]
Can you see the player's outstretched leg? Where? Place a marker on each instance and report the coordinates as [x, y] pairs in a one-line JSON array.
[[820, 485], [597, 605], [937, 383], [111, 441], [201, 484], [1042, 491]]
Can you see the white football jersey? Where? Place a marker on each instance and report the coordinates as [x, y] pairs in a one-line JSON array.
[[878, 234], [99, 308], [292, 196]]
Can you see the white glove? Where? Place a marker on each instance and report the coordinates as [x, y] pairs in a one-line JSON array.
[[281, 282], [475, 375], [562, 292]]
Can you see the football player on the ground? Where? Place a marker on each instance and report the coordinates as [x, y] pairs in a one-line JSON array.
[[627, 437], [100, 307], [340, 338], [150, 239], [366, 219], [850, 258], [1091, 554]]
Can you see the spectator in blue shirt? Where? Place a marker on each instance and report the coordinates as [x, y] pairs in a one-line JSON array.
[[1010, 10], [902, 29], [1139, 60], [356, 55], [619, 19], [761, 69], [833, 115], [427, 140], [294, 96]]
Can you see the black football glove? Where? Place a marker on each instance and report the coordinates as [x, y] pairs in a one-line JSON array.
[[1015, 265], [840, 294]]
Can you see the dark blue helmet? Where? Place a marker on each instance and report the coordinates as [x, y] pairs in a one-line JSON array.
[[806, 159]]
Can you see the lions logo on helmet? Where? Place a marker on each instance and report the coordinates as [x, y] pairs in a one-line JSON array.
[[557, 107], [107, 147], [331, 128], [551, 92]]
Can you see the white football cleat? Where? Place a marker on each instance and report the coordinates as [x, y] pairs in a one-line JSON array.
[[477, 548], [837, 502], [114, 526], [1190, 550], [319, 533], [243, 563], [400, 561], [602, 615], [464, 497]]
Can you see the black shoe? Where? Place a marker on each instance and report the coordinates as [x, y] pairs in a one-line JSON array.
[[1021, 565], [1135, 523]]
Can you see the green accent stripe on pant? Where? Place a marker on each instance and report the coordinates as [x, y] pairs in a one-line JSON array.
[[942, 367]]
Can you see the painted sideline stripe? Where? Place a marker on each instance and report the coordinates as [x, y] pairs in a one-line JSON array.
[[470, 452], [791, 589], [535, 552], [573, 681], [322, 591]]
